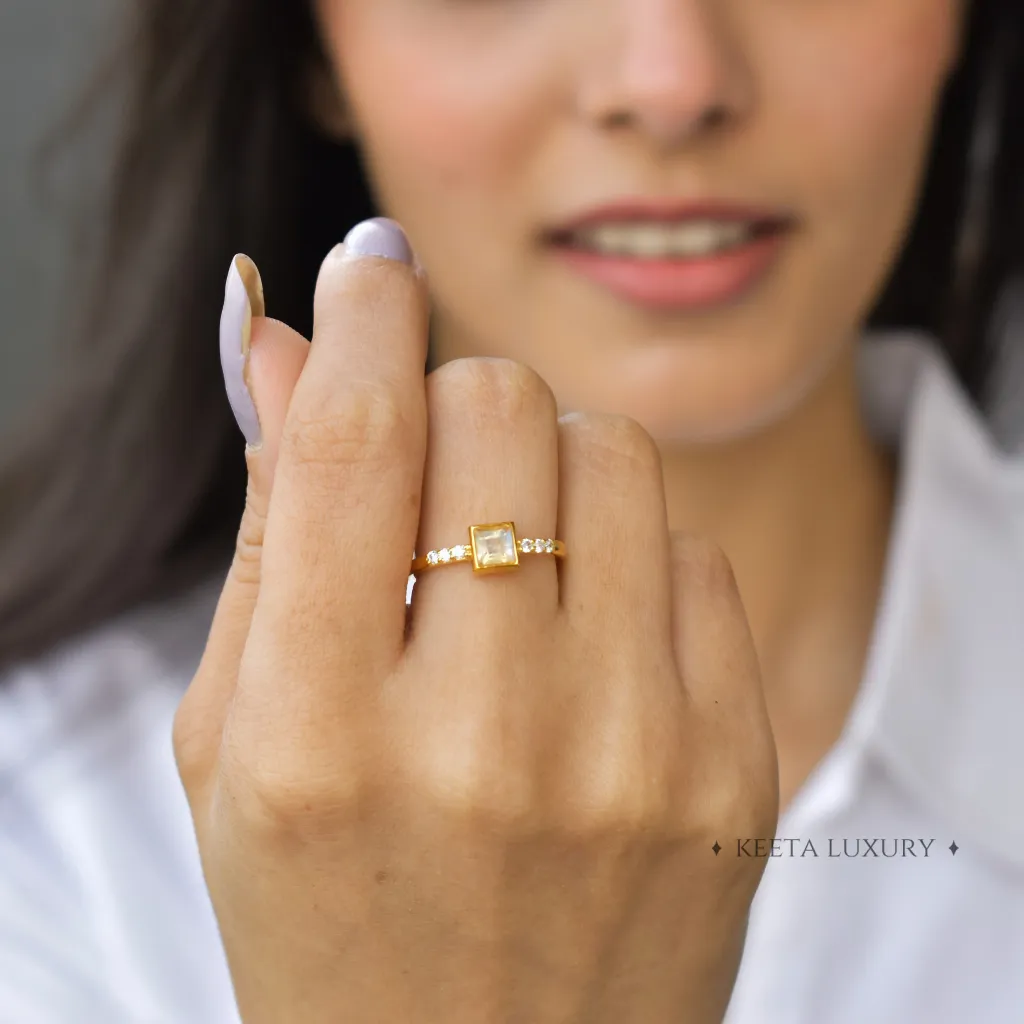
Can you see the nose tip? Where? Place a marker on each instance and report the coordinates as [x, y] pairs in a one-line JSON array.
[[670, 127], [672, 76]]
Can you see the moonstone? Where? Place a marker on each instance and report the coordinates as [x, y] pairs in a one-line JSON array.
[[494, 546]]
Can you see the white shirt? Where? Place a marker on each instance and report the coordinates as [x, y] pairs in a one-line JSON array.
[[104, 917]]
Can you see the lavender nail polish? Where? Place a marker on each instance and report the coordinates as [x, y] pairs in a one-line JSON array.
[[243, 299], [379, 236]]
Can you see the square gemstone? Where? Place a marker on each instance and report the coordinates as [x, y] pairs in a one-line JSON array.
[[494, 546]]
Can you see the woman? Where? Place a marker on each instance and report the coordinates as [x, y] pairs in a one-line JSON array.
[[652, 237]]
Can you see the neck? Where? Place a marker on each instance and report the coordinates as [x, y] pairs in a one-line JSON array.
[[803, 512]]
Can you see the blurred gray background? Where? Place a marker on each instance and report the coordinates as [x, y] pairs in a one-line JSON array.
[[47, 50]]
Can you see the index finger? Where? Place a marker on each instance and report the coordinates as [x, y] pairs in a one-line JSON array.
[[342, 520]]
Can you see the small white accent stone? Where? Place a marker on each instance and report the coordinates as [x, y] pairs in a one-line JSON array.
[[445, 555], [431, 558], [527, 545], [549, 545]]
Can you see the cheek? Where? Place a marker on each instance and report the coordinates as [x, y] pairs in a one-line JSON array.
[[440, 106], [862, 93]]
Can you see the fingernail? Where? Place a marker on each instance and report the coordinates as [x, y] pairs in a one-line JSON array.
[[243, 299], [379, 236]]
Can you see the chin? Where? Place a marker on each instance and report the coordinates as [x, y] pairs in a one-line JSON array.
[[761, 406]]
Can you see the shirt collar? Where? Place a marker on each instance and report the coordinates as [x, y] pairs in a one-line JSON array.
[[942, 702]]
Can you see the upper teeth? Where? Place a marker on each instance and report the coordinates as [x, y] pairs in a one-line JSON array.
[[694, 238]]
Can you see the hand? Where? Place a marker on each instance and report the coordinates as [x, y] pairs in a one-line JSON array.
[[508, 813]]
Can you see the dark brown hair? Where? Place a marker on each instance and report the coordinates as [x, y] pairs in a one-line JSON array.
[[126, 485]]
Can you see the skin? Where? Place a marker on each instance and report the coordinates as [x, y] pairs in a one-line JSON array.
[[504, 809], [485, 123], [508, 811]]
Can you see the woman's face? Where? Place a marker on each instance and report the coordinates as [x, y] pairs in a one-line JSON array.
[[680, 210]]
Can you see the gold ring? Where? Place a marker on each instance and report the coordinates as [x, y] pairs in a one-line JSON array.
[[492, 547]]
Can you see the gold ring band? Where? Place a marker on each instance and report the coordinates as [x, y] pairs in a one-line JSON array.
[[492, 547]]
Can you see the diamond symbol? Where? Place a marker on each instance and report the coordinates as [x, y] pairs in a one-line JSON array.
[[953, 847], [716, 848]]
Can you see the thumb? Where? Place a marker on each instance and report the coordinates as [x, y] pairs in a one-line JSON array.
[[262, 360]]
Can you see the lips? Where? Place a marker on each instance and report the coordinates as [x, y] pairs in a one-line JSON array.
[[672, 255]]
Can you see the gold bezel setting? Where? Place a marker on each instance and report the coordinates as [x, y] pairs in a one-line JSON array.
[[503, 532]]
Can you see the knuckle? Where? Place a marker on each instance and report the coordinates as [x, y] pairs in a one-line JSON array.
[[758, 802], [188, 743], [614, 442], [294, 803], [472, 790], [615, 811], [628, 790], [493, 388], [293, 791], [365, 425], [738, 802]]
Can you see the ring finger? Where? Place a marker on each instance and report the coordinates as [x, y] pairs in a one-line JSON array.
[[492, 457]]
